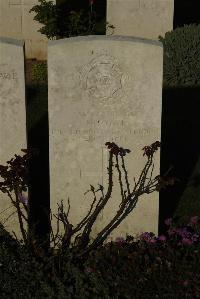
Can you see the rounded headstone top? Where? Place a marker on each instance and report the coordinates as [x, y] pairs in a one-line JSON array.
[[105, 38], [12, 41]]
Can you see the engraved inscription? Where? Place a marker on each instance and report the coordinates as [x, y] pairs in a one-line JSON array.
[[9, 76], [102, 78], [8, 81], [92, 134]]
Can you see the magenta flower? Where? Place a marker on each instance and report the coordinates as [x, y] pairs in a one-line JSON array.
[[145, 236], [162, 238], [183, 232], [187, 241], [23, 198], [185, 283], [148, 237], [168, 221], [152, 241], [194, 220], [171, 232], [120, 240]]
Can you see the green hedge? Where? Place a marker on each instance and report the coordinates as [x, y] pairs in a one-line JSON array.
[[182, 56]]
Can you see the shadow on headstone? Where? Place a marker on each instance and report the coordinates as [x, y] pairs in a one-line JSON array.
[[181, 149], [37, 115]]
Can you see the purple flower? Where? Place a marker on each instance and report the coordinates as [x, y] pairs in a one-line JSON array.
[[185, 283], [171, 232], [153, 241], [145, 236], [194, 220], [168, 221], [120, 240], [23, 198], [148, 237], [162, 238], [183, 232], [187, 241]]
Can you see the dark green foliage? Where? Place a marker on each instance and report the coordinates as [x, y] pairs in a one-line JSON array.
[[140, 269], [182, 56], [68, 18], [46, 14], [17, 275]]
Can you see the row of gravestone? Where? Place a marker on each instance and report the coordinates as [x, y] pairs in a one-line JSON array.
[[139, 18], [100, 89]]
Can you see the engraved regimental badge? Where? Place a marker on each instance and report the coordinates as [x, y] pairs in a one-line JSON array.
[[102, 78]]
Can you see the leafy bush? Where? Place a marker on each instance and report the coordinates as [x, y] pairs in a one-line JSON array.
[[21, 276], [84, 268], [64, 267], [182, 56], [46, 14], [122, 269], [16, 179], [142, 268], [39, 72], [67, 19]]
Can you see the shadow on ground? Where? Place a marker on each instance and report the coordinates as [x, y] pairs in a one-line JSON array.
[[181, 149], [37, 128]]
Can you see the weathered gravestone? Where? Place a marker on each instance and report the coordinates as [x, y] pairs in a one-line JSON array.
[[102, 89], [12, 116], [140, 18]]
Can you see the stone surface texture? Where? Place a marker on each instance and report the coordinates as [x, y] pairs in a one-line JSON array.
[[12, 115], [103, 89], [140, 18]]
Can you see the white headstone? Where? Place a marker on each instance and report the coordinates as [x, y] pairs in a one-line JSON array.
[[16, 22], [103, 89], [140, 18], [12, 115]]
